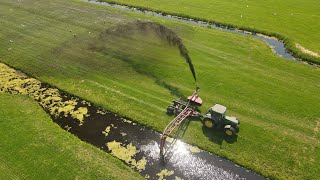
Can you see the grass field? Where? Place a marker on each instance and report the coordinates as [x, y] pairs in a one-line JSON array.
[[276, 100], [33, 147], [294, 21]]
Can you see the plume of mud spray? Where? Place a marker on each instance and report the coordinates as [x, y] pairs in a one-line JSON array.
[[161, 31]]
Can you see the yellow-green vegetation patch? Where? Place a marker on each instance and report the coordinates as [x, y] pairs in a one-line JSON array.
[[106, 131], [123, 134], [127, 154], [85, 103], [101, 112], [165, 173], [195, 149], [15, 82], [169, 139], [126, 120], [67, 127]]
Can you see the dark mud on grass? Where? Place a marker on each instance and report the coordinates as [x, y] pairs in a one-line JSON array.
[[134, 144], [277, 46], [111, 37], [160, 30]]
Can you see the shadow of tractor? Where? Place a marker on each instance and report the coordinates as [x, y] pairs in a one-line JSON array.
[[217, 136]]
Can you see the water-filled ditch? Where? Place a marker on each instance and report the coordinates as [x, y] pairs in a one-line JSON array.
[[277, 46], [134, 144]]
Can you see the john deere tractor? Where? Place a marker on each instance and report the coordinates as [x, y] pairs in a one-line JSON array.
[[216, 118]]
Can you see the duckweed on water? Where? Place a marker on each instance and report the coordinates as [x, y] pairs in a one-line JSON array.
[[126, 120], [101, 112], [16, 82], [195, 149], [164, 173], [106, 131], [127, 153], [169, 139]]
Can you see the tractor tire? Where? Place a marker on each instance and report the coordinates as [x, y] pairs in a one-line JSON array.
[[230, 131], [209, 123], [170, 110], [178, 111]]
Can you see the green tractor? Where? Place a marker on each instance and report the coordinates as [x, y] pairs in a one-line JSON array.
[[216, 118]]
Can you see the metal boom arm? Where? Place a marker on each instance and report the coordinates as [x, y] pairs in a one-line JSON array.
[[172, 125]]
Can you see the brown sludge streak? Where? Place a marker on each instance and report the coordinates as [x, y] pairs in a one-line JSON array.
[[161, 31]]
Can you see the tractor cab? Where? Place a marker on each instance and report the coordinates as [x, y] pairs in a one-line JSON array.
[[216, 118], [218, 112]]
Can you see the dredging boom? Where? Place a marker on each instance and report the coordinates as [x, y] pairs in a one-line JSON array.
[[187, 111]]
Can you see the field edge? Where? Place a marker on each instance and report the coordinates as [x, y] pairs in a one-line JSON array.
[[290, 45]]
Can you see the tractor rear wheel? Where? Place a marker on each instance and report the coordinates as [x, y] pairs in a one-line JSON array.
[[209, 123], [230, 131], [170, 110]]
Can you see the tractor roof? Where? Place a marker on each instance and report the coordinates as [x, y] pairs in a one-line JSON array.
[[219, 108]]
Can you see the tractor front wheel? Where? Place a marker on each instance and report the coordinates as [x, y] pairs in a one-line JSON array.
[[230, 131], [209, 123]]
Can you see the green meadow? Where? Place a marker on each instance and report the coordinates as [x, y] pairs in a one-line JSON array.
[[292, 21], [137, 75], [34, 147]]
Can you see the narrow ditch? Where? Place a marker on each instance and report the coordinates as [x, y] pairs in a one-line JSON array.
[[277, 46], [134, 144]]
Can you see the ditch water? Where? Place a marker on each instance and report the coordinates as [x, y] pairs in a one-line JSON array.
[[134, 144], [276, 45]]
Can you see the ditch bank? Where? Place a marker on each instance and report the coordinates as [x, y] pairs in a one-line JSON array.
[[279, 47], [134, 144]]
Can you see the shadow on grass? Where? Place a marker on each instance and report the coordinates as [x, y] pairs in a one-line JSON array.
[[217, 136]]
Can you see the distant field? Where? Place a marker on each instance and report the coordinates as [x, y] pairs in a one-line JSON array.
[[277, 101], [297, 20], [33, 147]]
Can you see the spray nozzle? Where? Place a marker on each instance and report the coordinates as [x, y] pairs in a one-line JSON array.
[[197, 88]]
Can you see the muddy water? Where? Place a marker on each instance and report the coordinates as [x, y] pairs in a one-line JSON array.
[[276, 45], [134, 144]]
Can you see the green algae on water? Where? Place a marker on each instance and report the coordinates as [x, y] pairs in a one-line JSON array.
[[164, 173], [195, 149], [16, 82], [127, 153], [106, 131], [123, 134]]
